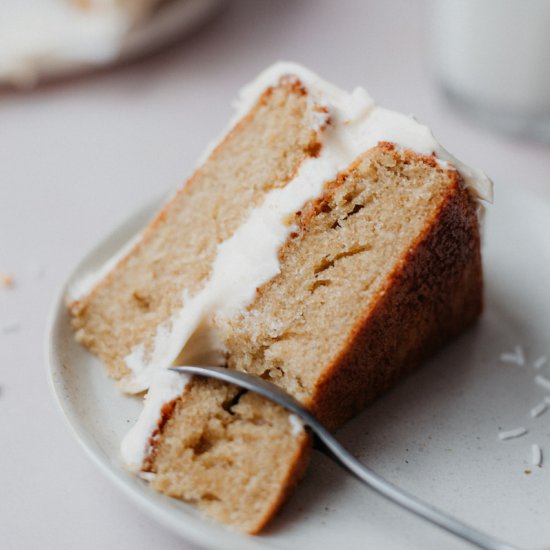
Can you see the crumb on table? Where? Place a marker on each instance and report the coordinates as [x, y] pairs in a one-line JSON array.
[[6, 280]]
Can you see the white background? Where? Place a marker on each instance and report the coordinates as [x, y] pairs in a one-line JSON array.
[[77, 156]]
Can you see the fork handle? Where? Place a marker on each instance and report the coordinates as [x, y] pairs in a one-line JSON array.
[[332, 448]]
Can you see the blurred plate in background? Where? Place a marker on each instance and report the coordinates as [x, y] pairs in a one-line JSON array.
[[55, 38]]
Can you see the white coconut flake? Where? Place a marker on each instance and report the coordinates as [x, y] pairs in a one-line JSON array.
[[539, 409], [147, 476], [508, 358], [542, 381], [540, 362], [10, 328], [511, 434], [520, 355], [515, 358], [297, 425], [536, 455]]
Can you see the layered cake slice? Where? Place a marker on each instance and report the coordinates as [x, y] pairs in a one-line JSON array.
[[325, 244]]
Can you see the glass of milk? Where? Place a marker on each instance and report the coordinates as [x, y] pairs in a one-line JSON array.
[[492, 60]]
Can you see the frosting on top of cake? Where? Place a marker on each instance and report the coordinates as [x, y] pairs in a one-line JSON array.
[[383, 124]]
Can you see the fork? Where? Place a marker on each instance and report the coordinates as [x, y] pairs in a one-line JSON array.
[[328, 444]]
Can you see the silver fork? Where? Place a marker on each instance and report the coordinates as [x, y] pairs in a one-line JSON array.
[[332, 448]]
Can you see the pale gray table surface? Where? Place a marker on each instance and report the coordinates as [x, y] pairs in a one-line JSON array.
[[77, 156]]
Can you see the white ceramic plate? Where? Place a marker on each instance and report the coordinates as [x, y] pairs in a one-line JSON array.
[[435, 434]]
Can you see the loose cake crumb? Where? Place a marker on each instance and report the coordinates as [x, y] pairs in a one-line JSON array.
[[511, 434], [6, 280]]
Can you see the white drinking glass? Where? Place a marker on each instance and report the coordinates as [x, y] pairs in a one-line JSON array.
[[492, 60]]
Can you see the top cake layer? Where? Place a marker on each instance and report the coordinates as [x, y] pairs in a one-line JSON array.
[[359, 123]]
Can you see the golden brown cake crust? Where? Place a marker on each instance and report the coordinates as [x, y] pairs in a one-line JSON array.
[[444, 270]]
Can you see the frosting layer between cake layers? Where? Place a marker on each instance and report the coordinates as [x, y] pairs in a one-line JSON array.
[[249, 258]]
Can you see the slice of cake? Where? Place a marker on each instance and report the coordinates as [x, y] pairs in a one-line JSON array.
[[325, 244]]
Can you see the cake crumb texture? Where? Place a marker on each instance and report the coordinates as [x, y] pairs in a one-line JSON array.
[[231, 453]]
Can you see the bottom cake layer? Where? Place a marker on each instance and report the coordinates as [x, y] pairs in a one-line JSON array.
[[234, 455]]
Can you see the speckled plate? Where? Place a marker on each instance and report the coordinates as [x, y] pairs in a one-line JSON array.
[[436, 434]]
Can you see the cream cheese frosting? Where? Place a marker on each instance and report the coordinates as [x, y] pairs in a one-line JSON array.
[[167, 386], [349, 125]]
